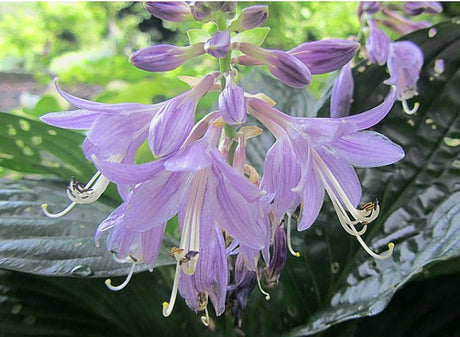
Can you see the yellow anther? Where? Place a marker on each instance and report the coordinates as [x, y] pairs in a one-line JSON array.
[[250, 131], [165, 305], [262, 97], [219, 122]]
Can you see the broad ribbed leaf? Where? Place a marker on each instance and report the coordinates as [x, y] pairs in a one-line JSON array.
[[31, 242]]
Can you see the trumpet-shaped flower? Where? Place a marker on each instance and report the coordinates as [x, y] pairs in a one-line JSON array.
[[197, 184], [326, 149]]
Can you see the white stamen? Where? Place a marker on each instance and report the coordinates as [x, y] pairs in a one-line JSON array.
[[344, 207], [408, 110], [169, 306], [109, 285], [288, 232], [266, 294], [79, 194], [205, 318], [66, 210], [382, 256]]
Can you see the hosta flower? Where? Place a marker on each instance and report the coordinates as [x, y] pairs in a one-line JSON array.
[[232, 105], [164, 57], [368, 7], [175, 11], [405, 62], [197, 184], [115, 132], [278, 258], [283, 66], [377, 44], [219, 45], [326, 149]]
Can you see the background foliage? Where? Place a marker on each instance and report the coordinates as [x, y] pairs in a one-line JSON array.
[[52, 281]]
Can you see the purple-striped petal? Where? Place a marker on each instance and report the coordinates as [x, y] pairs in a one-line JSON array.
[[156, 201], [414, 8], [281, 175], [371, 117], [118, 108], [312, 200], [193, 157], [367, 149], [74, 119], [129, 174], [174, 121], [232, 104]]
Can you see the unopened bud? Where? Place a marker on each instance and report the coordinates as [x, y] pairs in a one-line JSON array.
[[175, 11], [219, 45], [164, 57], [251, 17]]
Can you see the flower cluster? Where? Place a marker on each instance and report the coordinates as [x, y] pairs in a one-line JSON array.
[[404, 59], [235, 226]]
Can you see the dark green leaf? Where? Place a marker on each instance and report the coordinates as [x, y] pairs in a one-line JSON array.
[[55, 306], [31, 242]]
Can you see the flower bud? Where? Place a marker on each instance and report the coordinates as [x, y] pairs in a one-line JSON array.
[[283, 66], [414, 8], [250, 17], [218, 45], [325, 56], [175, 11], [232, 105], [164, 57], [377, 45], [204, 10], [368, 7]]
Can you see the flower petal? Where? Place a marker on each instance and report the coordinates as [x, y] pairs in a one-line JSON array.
[[344, 174], [156, 201], [371, 117], [74, 119], [368, 149], [193, 157], [312, 200], [342, 93], [129, 174]]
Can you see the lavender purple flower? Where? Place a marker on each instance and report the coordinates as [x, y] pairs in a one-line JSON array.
[[219, 45]]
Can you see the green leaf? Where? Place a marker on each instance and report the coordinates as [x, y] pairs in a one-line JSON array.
[[254, 36], [197, 36], [32, 146], [82, 307], [31, 242]]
